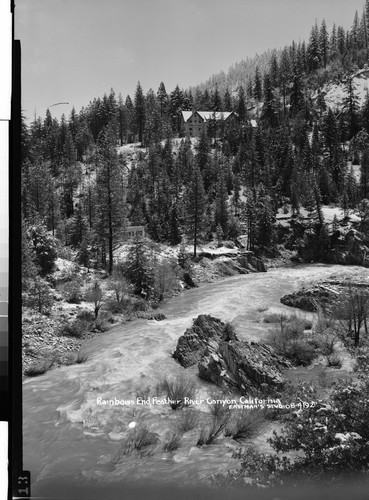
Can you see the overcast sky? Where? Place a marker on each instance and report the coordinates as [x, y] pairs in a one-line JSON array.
[[75, 50]]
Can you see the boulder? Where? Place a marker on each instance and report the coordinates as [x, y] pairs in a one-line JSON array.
[[227, 361], [309, 299], [243, 366], [252, 263], [205, 333]]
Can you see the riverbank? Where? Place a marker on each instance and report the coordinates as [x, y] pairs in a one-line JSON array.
[[48, 342], [61, 410]]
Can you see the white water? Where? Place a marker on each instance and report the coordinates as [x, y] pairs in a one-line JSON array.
[[67, 434]]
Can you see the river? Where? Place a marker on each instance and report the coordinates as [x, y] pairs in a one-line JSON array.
[[67, 434]]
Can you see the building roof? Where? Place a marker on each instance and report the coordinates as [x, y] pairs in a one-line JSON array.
[[207, 115]]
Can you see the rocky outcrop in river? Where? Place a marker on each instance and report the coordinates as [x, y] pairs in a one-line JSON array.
[[227, 361]]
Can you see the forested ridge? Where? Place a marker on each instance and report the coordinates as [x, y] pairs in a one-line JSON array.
[[122, 162], [287, 180]]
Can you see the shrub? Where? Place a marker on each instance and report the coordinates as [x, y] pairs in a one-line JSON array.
[[220, 415], [330, 438], [72, 291], [39, 295], [287, 341], [244, 424], [300, 352], [176, 389], [187, 420], [39, 368], [138, 304], [86, 315], [327, 344], [333, 360], [75, 329], [119, 283], [115, 307], [102, 325], [262, 309], [275, 318], [44, 247], [173, 440], [141, 440], [166, 279]]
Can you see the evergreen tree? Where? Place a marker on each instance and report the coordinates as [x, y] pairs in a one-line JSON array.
[[174, 236], [122, 120], [130, 117], [152, 119], [227, 100], [139, 108], [351, 107], [257, 90], [195, 207], [221, 214], [297, 96], [323, 43], [163, 102], [364, 174], [274, 71], [268, 114], [110, 192], [28, 266], [139, 271], [216, 100], [176, 106], [265, 221], [241, 105]]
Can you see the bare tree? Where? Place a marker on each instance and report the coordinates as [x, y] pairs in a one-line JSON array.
[[95, 295], [352, 311]]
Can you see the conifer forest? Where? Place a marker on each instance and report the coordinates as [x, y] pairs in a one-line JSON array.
[[223, 226]]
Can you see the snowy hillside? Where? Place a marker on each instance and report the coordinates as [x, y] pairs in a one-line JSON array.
[[334, 94]]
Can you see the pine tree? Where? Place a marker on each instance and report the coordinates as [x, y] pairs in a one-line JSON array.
[[364, 174], [249, 217], [130, 117], [274, 71], [323, 43], [176, 106], [122, 120], [28, 266], [216, 100], [241, 104], [265, 221], [163, 102], [138, 270], [174, 236], [268, 114], [313, 51], [351, 107], [221, 215], [195, 207], [152, 119], [110, 192], [354, 33], [297, 96], [139, 107], [257, 90], [227, 100], [285, 74]]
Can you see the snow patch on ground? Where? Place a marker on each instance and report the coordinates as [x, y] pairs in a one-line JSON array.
[[283, 216], [336, 93]]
